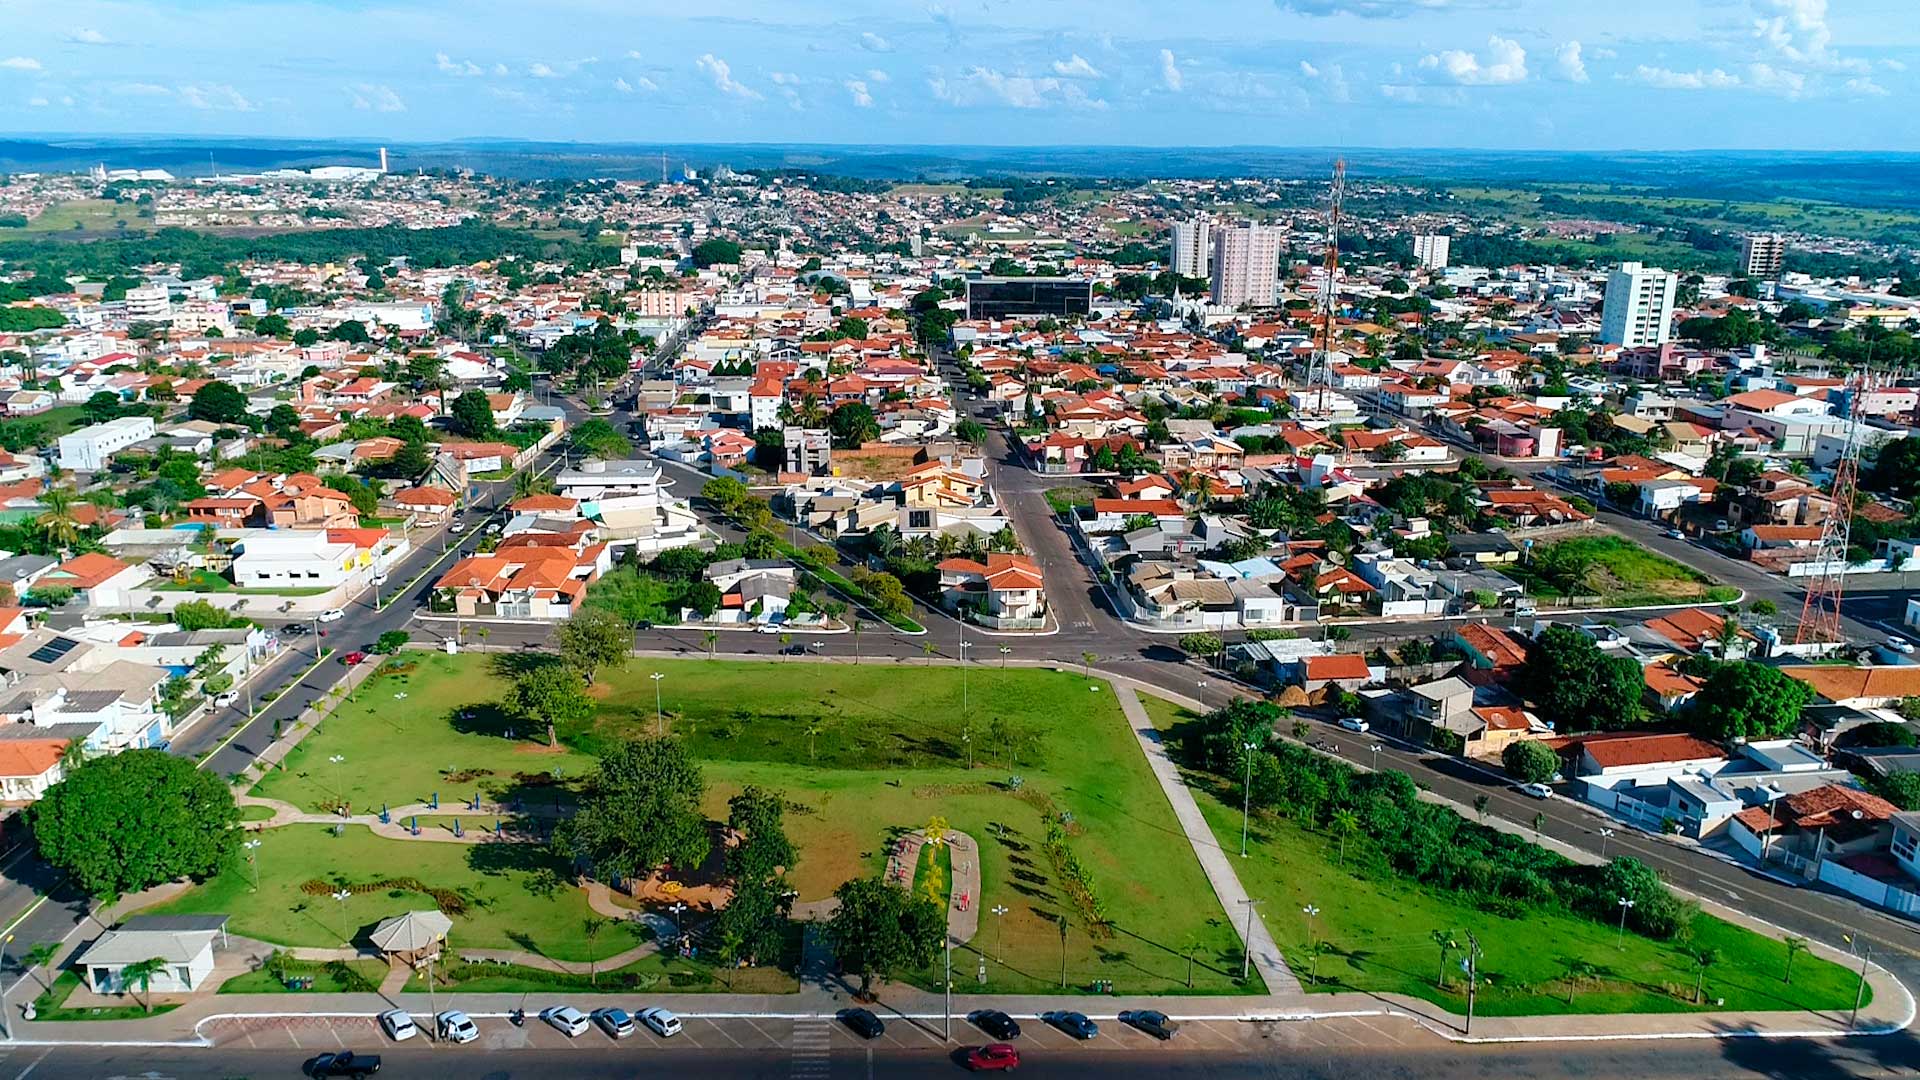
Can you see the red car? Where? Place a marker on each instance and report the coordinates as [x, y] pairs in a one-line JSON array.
[[353, 658], [995, 1056]]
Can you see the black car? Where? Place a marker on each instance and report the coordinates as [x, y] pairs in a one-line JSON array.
[[1073, 1023], [995, 1023], [1153, 1023], [345, 1063], [862, 1022]]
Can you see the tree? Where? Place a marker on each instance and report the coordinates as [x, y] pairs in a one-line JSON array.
[[716, 252], [972, 431], [1748, 700], [1881, 733], [472, 415], [218, 403], [1444, 939], [591, 928], [41, 956], [104, 405], [121, 824], [639, 811], [1200, 644], [755, 918], [391, 641], [1702, 960], [1795, 946], [57, 520], [352, 331], [1901, 788], [139, 975], [274, 326], [853, 424], [598, 438], [595, 638], [1529, 762], [880, 928], [1576, 687], [551, 695], [1897, 470]]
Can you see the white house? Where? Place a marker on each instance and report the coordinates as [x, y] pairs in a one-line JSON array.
[[298, 559], [90, 448], [187, 953]]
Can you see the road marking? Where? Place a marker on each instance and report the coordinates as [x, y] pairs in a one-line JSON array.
[[294, 1039], [812, 1049], [34, 1064], [723, 1034]]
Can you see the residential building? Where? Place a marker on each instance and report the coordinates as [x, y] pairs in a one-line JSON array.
[[1638, 309], [301, 559], [1246, 264], [1761, 254], [1193, 247], [1431, 250], [187, 953], [1005, 592]]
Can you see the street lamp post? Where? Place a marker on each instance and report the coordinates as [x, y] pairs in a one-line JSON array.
[[678, 933], [1004, 650], [335, 760], [964, 646], [252, 846], [658, 722], [1626, 905], [1246, 950], [1313, 947], [1858, 994], [7, 1030], [1246, 800], [343, 896], [1376, 756], [999, 931], [1605, 835]]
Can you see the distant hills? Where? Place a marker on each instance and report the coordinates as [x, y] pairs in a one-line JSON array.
[[1851, 177]]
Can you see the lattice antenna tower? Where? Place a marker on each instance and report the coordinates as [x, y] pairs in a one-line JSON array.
[[1820, 620], [1317, 375]]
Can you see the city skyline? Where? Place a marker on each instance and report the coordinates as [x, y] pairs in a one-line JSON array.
[[1381, 73]]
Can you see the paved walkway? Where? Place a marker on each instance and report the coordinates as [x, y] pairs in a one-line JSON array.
[[963, 898], [1217, 863]]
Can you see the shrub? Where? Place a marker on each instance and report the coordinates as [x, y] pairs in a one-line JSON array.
[[1529, 762]]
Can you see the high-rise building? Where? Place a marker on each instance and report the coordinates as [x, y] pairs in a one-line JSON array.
[[1246, 265], [1192, 247], [1430, 250], [1639, 306], [1762, 253]]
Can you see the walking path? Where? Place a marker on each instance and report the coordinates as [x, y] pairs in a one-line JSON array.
[[963, 897], [1218, 866]]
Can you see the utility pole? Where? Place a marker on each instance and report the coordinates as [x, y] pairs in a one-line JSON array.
[[946, 990], [1861, 992], [1246, 950], [1473, 976], [1246, 800]]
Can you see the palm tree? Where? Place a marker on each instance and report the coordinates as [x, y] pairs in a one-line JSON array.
[[1480, 804], [1703, 960], [857, 627], [1444, 939], [928, 648], [1578, 971], [42, 955], [141, 975], [1345, 822], [58, 520], [711, 639], [813, 730], [946, 544], [1087, 660], [1795, 946], [785, 640]]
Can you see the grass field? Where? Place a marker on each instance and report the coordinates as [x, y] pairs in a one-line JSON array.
[[51, 1004], [1622, 573], [1381, 935], [338, 977], [863, 752], [81, 216], [55, 422]]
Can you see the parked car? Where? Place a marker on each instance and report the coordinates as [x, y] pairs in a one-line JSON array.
[[1900, 645], [566, 1019], [1538, 791], [862, 1022], [221, 701], [994, 1057], [1676, 534], [794, 650], [1722, 525], [663, 1023], [1150, 1021], [298, 629], [1354, 723], [379, 577], [398, 1025], [353, 658], [345, 1063], [330, 615], [615, 1022], [1073, 1023], [995, 1023], [456, 1026]]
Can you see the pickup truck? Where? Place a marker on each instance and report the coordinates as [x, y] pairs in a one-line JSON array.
[[345, 1063]]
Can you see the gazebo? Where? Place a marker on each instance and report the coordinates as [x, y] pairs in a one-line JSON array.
[[412, 937]]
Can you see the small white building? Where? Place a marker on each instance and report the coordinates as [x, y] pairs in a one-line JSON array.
[[184, 943], [297, 559], [90, 448]]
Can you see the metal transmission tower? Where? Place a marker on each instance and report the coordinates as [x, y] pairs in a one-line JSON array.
[[1820, 615], [1317, 374]]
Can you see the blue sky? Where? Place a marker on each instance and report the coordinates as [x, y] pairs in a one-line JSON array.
[[1546, 74]]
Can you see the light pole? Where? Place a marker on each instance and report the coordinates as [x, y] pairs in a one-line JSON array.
[[999, 931], [1004, 650], [343, 896], [1626, 905], [946, 989], [1246, 951], [1376, 756], [658, 723], [678, 933], [252, 846], [1858, 994], [1246, 800], [8, 1031], [964, 646], [335, 760], [1605, 835]]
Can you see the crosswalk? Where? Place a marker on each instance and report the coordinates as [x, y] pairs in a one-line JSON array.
[[812, 1050]]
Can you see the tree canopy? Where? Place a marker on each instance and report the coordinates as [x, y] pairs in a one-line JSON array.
[[472, 415], [880, 928], [595, 638], [219, 403], [1743, 699], [640, 811], [1577, 687], [141, 818]]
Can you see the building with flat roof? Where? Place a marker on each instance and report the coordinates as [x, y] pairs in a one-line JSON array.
[[1011, 297], [1246, 265], [1638, 310]]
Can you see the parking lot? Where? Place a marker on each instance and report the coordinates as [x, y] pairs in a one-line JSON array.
[[814, 1042]]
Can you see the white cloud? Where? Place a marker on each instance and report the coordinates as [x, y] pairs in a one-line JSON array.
[[1785, 81], [1015, 90], [216, 97], [87, 35], [1797, 32], [1604, 53], [1170, 76], [858, 90], [20, 63], [873, 42], [875, 75], [140, 89], [722, 76], [449, 66], [502, 70], [376, 97], [1568, 62], [1331, 78], [1505, 63], [637, 84], [784, 78], [1075, 67], [1893, 65], [539, 70], [38, 102], [1666, 79], [634, 54], [1861, 86], [1364, 9], [1423, 95]]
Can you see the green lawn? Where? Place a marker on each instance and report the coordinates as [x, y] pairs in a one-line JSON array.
[[51, 1004], [933, 876], [53, 423], [655, 972], [1165, 714], [1064, 499], [1381, 930], [1623, 573], [888, 750], [336, 977], [515, 893]]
